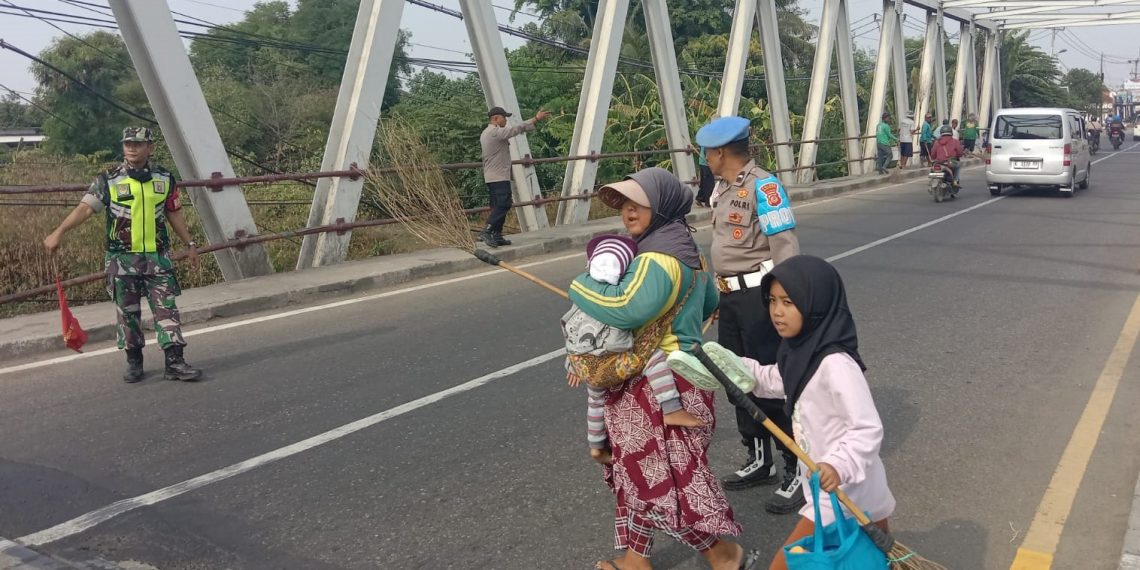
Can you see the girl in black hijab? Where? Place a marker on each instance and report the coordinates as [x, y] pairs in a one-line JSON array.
[[820, 373]]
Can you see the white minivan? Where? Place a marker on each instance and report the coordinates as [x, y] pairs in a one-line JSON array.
[[1038, 147]]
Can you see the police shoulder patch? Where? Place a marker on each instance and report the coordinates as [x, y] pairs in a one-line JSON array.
[[775, 210]]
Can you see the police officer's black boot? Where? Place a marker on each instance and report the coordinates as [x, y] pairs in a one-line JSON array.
[[499, 239], [176, 367], [487, 236], [134, 371]]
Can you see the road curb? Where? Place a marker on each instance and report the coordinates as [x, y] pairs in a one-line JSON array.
[[14, 556], [38, 333], [1130, 552]]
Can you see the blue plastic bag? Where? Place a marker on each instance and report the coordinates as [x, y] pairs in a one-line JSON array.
[[841, 546]]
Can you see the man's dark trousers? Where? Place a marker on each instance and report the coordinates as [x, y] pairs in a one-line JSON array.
[[501, 202]]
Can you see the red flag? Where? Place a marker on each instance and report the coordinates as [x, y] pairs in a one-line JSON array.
[[73, 334]]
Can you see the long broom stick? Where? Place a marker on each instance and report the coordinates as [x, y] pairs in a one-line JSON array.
[[900, 556]]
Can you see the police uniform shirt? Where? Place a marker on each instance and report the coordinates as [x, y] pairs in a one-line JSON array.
[[495, 143], [739, 243]]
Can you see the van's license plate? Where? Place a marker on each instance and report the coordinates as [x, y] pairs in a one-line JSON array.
[[1027, 164]]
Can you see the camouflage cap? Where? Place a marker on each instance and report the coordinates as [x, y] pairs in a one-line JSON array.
[[137, 134]]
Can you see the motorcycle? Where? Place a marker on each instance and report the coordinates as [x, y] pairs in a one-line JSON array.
[[941, 179], [1117, 138], [1094, 141]]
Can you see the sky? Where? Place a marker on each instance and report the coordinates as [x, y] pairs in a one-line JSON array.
[[439, 36]]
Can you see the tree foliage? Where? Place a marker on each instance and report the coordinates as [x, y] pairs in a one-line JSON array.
[[1028, 74], [82, 122], [1086, 89]]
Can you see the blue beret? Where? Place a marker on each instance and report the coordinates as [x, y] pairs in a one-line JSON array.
[[722, 131]]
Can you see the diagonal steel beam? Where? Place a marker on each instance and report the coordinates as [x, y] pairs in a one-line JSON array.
[[669, 87], [353, 128], [593, 108], [189, 131]]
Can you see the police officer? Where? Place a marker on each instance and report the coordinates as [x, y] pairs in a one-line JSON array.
[[139, 199], [753, 229], [495, 145]]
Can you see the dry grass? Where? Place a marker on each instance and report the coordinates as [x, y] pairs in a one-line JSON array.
[[421, 198]]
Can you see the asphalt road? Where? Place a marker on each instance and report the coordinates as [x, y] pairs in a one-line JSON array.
[[984, 331]]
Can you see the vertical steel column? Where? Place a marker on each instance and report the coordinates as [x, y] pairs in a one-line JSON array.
[[877, 103], [998, 82], [940, 69], [962, 70], [774, 85], [669, 87], [926, 72], [593, 108], [495, 76], [353, 128], [985, 106], [736, 60], [972, 74], [848, 89], [898, 64], [172, 88], [817, 92]]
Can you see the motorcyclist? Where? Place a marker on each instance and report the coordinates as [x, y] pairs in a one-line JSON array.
[[1116, 127], [948, 150], [1096, 127]]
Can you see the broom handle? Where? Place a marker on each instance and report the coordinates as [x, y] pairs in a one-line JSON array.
[[737, 397], [493, 260], [534, 279]]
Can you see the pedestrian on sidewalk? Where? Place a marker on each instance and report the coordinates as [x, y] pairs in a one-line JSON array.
[[970, 133], [139, 199], [885, 140], [906, 138], [820, 373], [926, 139], [495, 145], [657, 489], [753, 230]]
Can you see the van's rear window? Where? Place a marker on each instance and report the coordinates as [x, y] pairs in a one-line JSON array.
[[1028, 127]]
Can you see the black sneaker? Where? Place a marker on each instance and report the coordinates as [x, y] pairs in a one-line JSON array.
[[499, 239], [754, 472], [788, 497], [488, 238]]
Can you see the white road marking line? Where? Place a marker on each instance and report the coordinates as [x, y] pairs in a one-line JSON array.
[[907, 232], [286, 314], [96, 517], [93, 518]]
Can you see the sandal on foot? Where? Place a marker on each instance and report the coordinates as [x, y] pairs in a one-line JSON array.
[[612, 563], [750, 560], [732, 366], [691, 369]]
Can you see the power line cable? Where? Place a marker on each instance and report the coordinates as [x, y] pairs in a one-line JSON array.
[[36, 105]]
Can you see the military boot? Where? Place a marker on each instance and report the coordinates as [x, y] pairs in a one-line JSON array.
[[176, 367], [134, 371]]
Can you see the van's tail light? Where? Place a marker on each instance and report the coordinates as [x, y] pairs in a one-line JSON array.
[[989, 152], [1068, 155]]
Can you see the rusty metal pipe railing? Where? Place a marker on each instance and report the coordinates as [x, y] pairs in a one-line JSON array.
[[244, 241], [218, 181]]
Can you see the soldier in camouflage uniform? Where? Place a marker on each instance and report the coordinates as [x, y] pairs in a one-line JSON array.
[[139, 199]]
